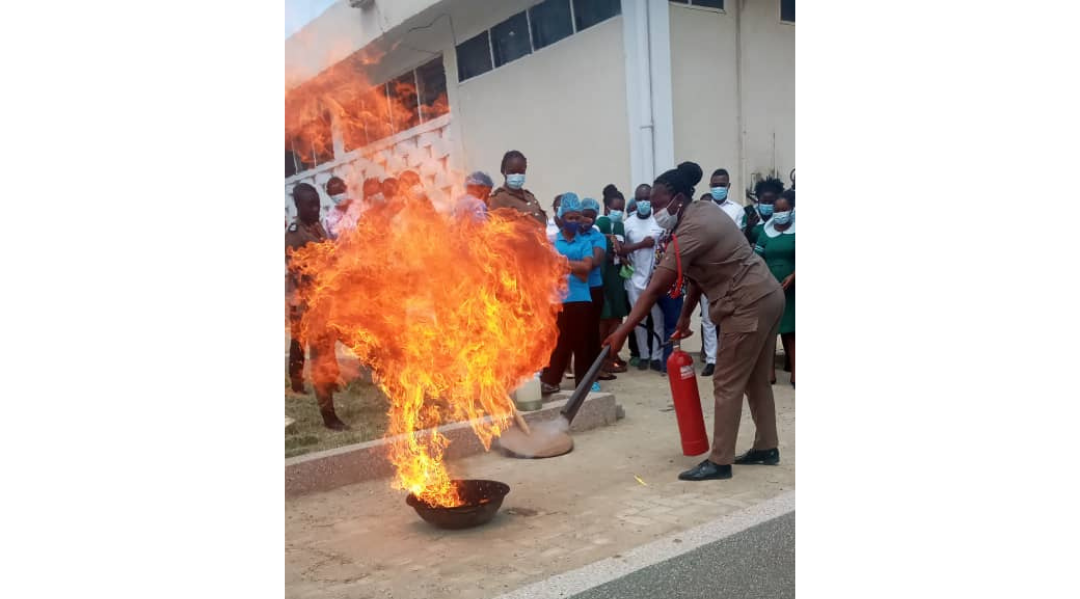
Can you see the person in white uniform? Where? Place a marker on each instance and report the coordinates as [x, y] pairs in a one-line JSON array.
[[719, 185], [641, 235], [345, 213]]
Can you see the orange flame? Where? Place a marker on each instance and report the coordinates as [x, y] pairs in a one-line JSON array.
[[450, 315]]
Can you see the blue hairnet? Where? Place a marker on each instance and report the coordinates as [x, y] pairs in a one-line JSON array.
[[570, 203], [479, 178], [590, 204]]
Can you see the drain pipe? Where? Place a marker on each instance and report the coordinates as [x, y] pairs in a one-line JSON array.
[[739, 98], [649, 128]]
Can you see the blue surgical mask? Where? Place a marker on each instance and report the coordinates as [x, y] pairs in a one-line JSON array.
[[644, 208], [718, 193], [572, 228], [615, 215], [765, 209], [782, 218], [515, 181]]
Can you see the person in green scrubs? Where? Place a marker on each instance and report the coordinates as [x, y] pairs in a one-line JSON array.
[[776, 245], [616, 304], [766, 191]]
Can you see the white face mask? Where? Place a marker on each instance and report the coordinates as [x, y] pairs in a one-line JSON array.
[[665, 218], [338, 198]]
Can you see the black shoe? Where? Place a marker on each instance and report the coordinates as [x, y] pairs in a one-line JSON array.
[[709, 370], [657, 366], [332, 422], [707, 470], [767, 457], [546, 389], [298, 387], [643, 365]]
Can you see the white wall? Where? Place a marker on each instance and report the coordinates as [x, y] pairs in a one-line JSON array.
[[704, 77], [768, 88], [564, 107], [705, 98]]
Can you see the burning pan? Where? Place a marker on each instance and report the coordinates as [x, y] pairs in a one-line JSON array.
[[482, 500]]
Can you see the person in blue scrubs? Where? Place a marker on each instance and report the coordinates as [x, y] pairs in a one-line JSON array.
[[577, 314], [590, 211]]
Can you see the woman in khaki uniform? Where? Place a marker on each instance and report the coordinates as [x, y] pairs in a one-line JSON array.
[[513, 193], [712, 254]]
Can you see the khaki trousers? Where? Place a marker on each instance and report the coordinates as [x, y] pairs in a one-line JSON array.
[[742, 367]]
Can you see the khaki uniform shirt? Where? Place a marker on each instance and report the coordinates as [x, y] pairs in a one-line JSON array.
[[716, 256], [297, 236], [521, 200]]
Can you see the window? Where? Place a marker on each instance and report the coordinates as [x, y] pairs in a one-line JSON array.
[[526, 32], [431, 79], [709, 3], [590, 12], [403, 103], [474, 57], [510, 39], [787, 11], [551, 22], [309, 146]]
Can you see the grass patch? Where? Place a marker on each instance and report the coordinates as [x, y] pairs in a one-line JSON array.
[[361, 405]]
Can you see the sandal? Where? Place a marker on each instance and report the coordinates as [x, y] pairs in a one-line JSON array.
[[606, 376]]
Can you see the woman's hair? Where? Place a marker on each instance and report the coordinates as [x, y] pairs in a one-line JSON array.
[[789, 195], [304, 188], [770, 184], [681, 179], [507, 157], [610, 193]]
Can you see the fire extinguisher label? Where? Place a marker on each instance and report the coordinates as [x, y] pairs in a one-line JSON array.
[[686, 372]]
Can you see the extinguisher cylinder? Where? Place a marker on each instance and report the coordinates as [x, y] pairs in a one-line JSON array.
[[684, 394]]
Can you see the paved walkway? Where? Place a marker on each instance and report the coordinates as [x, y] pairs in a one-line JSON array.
[[362, 541]]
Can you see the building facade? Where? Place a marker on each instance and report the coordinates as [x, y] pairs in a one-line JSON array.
[[591, 91]]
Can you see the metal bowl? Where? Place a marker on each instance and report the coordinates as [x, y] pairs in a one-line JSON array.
[[482, 500]]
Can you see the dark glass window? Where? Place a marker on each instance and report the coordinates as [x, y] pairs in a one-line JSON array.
[[432, 80], [309, 145], [292, 165], [403, 102], [787, 10], [473, 57], [510, 39], [550, 22], [710, 3], [681, 1], [590, 12]]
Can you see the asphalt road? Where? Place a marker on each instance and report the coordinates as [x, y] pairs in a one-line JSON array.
[[757, 563]]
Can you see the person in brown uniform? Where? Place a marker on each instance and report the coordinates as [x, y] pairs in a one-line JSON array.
[[324, 368], [513, 194], [712, 254]]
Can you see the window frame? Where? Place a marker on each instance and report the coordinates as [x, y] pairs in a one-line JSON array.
[[532, 44], [780, 11], [691, 4]]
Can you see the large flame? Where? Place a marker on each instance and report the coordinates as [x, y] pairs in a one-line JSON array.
[[449, 314]]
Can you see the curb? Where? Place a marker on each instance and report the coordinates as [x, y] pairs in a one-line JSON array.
[[333, 468]]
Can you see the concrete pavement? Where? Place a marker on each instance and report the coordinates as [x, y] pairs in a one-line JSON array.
[[561, 514]]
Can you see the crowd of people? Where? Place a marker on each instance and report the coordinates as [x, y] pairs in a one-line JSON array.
[[637, 271]]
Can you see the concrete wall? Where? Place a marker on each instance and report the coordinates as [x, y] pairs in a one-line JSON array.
[[705, 98], [564, 107], [705, 80], [768, 88]]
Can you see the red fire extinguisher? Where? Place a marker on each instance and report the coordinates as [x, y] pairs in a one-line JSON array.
[[684, 394], [683, 380]]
